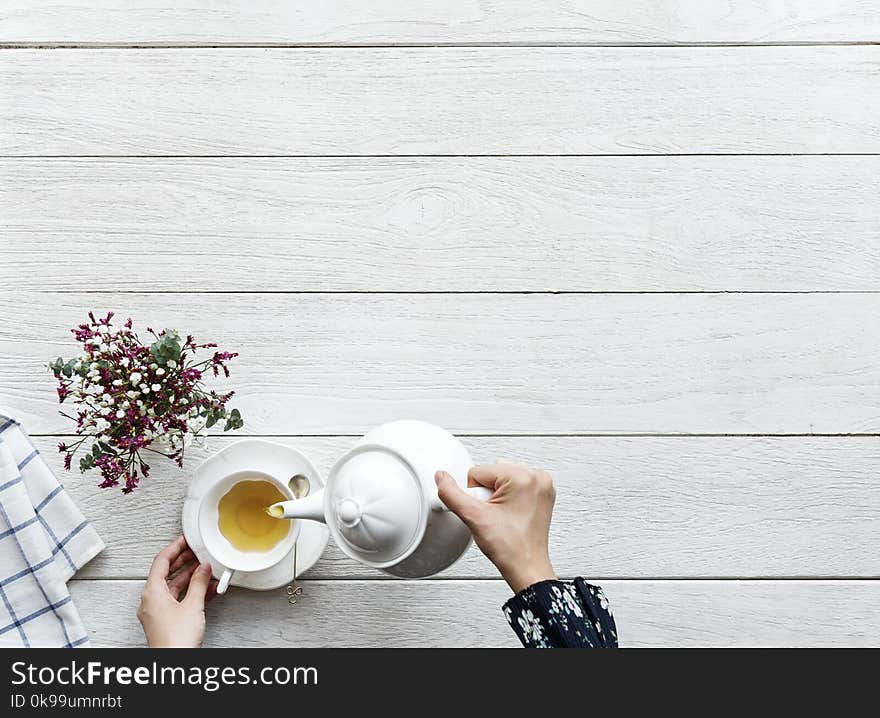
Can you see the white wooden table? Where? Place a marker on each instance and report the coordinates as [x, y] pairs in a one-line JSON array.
[[635, 243]]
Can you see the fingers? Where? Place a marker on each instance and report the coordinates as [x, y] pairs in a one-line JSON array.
[[178, 584], [198, 585], [212, 591], [512, 463], [162, 563], [507, 478], [485, 475], [490, 474], [544, 482], [462, 504], [185, 558]]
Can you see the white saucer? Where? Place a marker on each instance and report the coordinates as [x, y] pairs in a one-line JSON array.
[[276, 460]]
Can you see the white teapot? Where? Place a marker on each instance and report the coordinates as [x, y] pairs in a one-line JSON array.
[[381, 505]]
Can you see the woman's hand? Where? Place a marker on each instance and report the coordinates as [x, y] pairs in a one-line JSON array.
[[512, 527], [170, 618]]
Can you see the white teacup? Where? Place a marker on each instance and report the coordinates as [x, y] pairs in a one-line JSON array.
[[226, 558]]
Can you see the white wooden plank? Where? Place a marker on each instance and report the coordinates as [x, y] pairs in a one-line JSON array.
[[456, 224], [349, 101], [627, 507], [493, 363], [468, 614], [424, 21]]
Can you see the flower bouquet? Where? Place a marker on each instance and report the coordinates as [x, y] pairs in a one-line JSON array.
[[130, 398]]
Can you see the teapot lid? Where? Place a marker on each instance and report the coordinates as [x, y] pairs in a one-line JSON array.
[[375, 505]]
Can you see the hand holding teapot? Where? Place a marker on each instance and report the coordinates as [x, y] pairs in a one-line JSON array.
[[384, 509], [512, 527]]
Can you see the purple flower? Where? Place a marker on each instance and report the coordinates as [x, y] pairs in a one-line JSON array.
[[127, 394]]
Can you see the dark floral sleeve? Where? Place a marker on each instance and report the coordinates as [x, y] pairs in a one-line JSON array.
[[562, 614]]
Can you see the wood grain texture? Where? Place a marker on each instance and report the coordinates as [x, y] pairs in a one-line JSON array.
[[495, 363], [454, 224], [423, 21], [348, 101], [430, 613], [626, 507]]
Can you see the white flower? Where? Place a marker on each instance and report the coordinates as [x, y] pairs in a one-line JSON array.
[[131, 394], [154, 366], [125, 404], [145, 389], [106, 398], [103, 347], [102, 425], [160, 371], [530, 625], [156, 387], [78, 365], [572, 605], [135, 378], [125, 361], [117, 382], [172, 364], [120, 414]]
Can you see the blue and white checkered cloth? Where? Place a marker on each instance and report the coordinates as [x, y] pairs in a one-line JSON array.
[[44, 540]]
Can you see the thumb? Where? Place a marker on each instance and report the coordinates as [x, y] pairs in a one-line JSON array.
[[456, 498], [198, 585]]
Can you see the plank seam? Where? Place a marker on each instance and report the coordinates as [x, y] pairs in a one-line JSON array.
[[544, 292], [526, 155], [50, 45], [563, 435], [498, 292], [597, 579]]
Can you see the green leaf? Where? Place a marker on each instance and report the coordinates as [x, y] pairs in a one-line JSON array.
[[166, 348], [211, 421]]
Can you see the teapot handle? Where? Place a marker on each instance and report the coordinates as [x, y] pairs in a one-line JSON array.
[[478, 492]]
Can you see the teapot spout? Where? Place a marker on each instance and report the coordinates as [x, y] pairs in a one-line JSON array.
[[310, 507]]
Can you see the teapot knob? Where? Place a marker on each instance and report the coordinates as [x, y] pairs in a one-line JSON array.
[[349, 512]]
